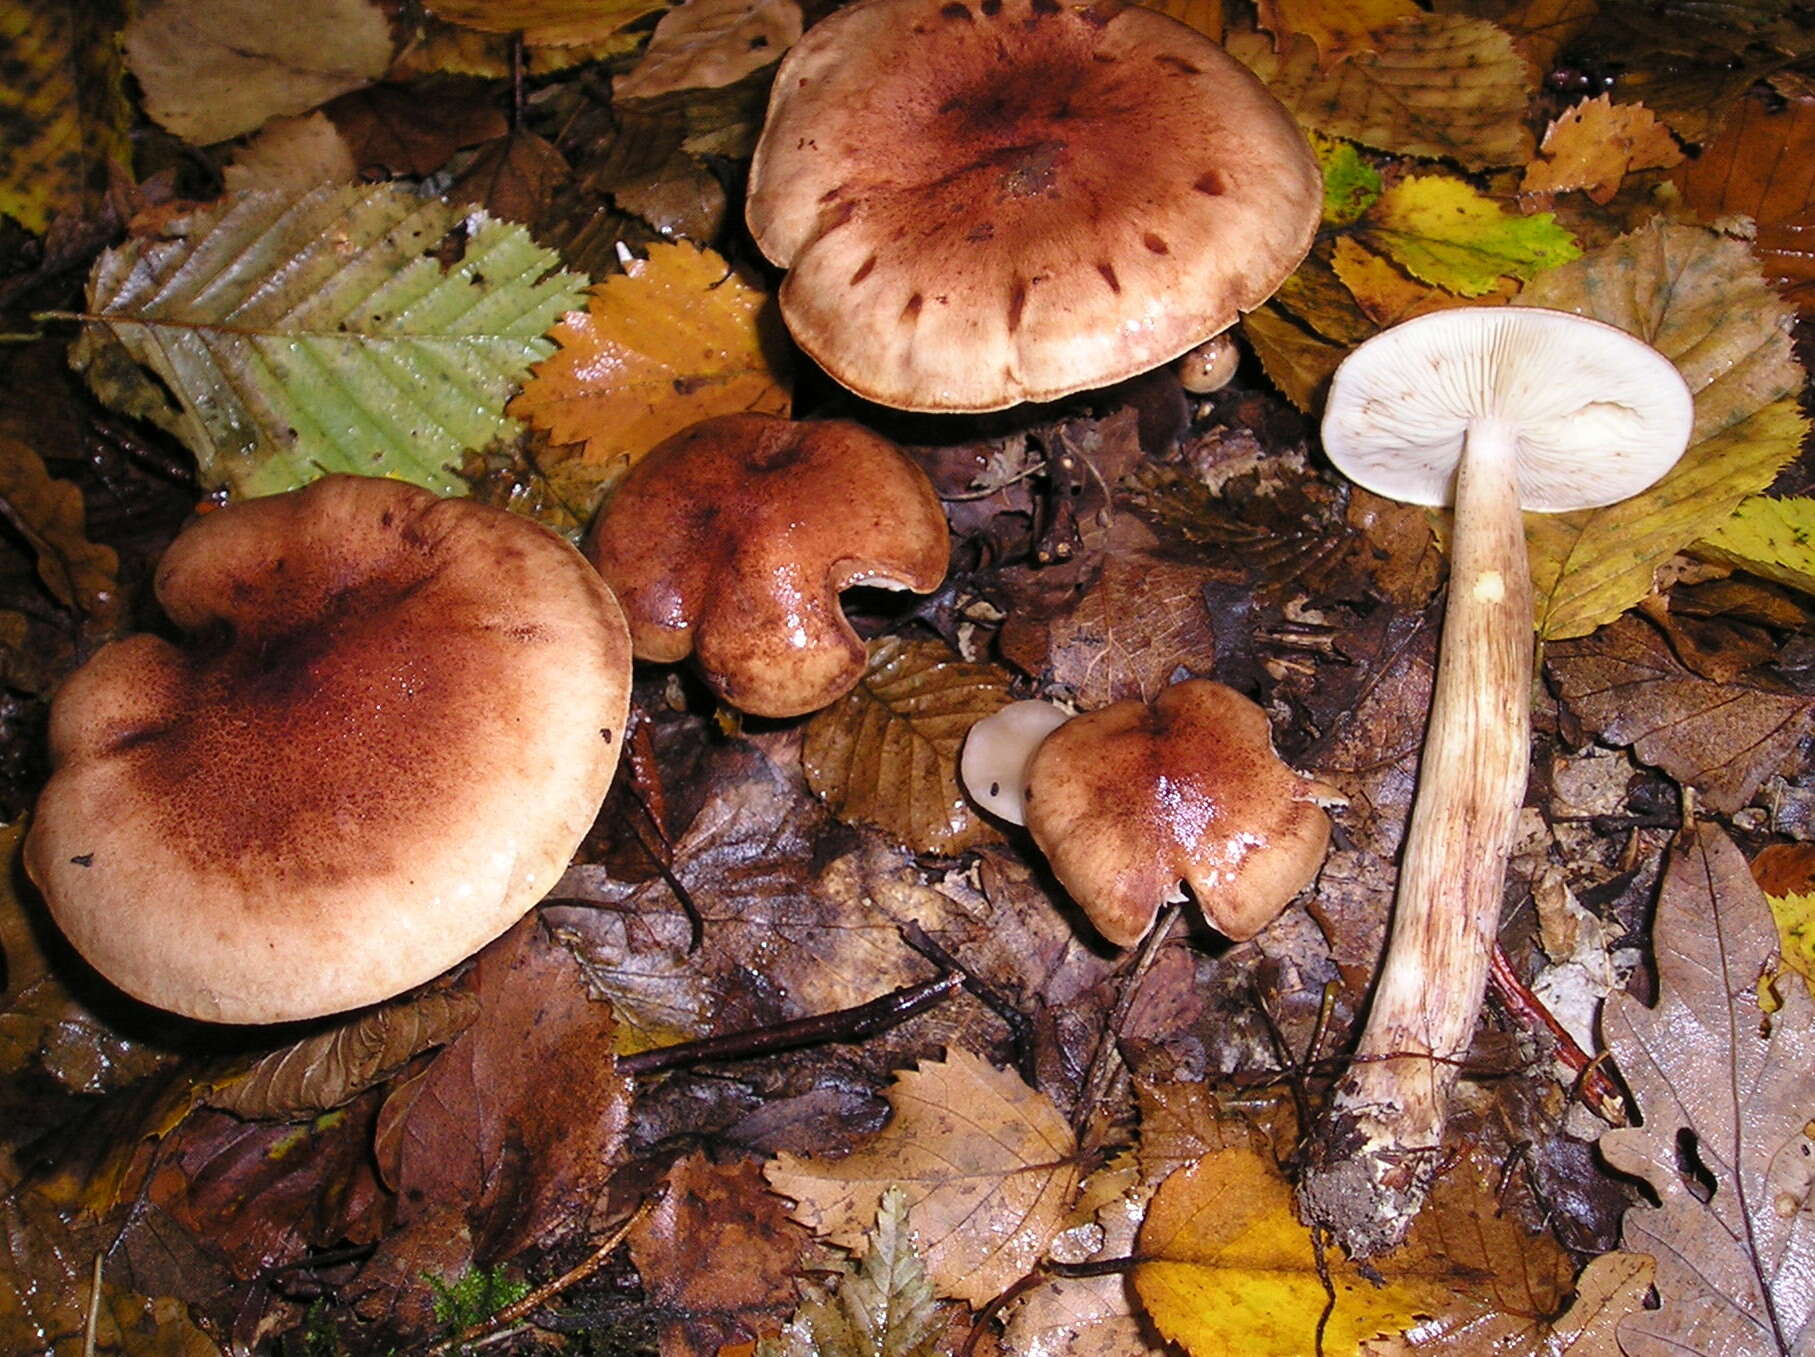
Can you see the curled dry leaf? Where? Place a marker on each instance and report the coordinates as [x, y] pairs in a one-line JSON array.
[[1723, 739], [212, 69], [987, 1163], [1727, 1109], [1337, 30], [887, 752]]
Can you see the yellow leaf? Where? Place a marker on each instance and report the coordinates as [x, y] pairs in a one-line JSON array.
[[1441, 231], [1795, 916], [1206, 16], [547, 23], [676, 338], [1433, 85], [1297, 360], [987, 1163], [1595, 145], [1338, 27], [1385, 293], [1226, 1267], [63, 112], [1772, 538]]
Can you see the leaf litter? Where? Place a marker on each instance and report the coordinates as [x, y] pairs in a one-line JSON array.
[[1054, 1148]]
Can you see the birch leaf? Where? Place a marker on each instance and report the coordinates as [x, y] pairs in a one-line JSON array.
[[1441, 231], [1595, 145], [552, 23], [1773, 538], [1726, 1108], [988, 1166], [303, 335]]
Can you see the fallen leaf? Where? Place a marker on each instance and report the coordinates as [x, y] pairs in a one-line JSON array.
[[1727, 1107], [1385, 292], [1771, 538], [370, 355], [552, 23], [1440, 85], [49, 515], [1350, 184], [1206, 16], [1226, 1267], [212, 69], [1723, 739], [292, 155], [886, 753], [1442, 231], [401, 130], [1698, 299], [1338, 27], [988, 1166], [514, 177], [678, 337], [1297, 360], [1760, 164], [1594, 145], [755, 1252], [64, 115], [703, 44], [1794, 915]]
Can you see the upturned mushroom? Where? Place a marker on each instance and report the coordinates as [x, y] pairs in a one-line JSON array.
[[1493, 410], [982, 202], [389, 722], [732, 540], [1131, 801]]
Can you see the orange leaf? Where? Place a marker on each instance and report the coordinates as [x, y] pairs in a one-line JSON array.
[[1595, 145]]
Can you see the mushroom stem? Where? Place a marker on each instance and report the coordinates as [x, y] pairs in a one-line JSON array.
[[1385, 1129]]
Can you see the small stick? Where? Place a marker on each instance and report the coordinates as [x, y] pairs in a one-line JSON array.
[[1106, 1060], [1598, 1092], [91, 1329]]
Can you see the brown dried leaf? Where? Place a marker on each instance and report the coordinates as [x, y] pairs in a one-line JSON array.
[[755, 1252], [1723, 739], [399, 130], [514, 177], [1299, 361], [1142, 619], [988, 1166], [477, 1130], [324, 1070], [1761, 164], [49, 514], [1727, 1110], [1432, 85], [1338, 27], [703, 44], [292, 155], [1091, 1316], [887, 752], [551, 23], [1595, 145]]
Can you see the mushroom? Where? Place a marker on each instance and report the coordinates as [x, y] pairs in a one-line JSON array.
[[1210, 366], [998, 750], [389, 722], [731, 540], [982, 202], [1129, 801], [1493, 409]]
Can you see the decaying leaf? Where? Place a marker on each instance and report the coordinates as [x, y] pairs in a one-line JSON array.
[[1350, 184], [212, 69], [679, 336], [1761, 164], [49, 515], [394, 129], [1774, 538], [1723, 739], [63, 111], [1337, 29], [1226, 1267], [1698, 299], [292, 155], [1595, 145], [703, 44], [988, 1166], [1440, 85], [301, 335], [1092, 1316], [1726, 1107], [886, 753], [552, 23], [883, 1307], [514, 177], [1440, 230]]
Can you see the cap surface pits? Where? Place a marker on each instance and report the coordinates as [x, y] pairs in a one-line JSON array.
[[1596, 414], [389, 723], [1128, 801], [982, 202], [732, 539]]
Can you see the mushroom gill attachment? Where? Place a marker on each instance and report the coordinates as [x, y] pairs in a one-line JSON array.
[[387, 725], [981, 202], [1129, 801], [731, 541]]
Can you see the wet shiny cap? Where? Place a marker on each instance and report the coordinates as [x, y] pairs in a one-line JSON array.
[[387, 724]]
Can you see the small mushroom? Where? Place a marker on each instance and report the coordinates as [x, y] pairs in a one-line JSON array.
[[1128, 802], [998, 750], [981, 202], [1210, 366], [389, 722], [731, 541], [1493, 409]]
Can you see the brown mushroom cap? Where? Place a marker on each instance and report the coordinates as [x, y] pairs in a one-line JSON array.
[[989, 201], [732, 539], [1128, 801], [390, 722]]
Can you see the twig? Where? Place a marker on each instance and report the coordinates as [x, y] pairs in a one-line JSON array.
[[487, 1330], [91, 1328], [1597, 1092], [1014, 1019], [1106, 1060]]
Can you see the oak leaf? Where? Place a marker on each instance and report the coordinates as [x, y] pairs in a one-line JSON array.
[[887, 752], [1697, 298], [1723, 739], [1727, 1109], [677, 337], [212, 69], [1773, 538], [987, 1164], [1595, 145]]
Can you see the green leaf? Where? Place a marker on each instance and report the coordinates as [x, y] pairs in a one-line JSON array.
[[1772, 538], [1442, 232], [346, 329], [1350, 184], [1699, 299]]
